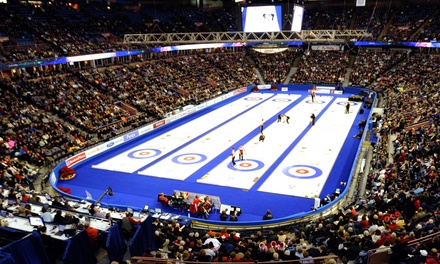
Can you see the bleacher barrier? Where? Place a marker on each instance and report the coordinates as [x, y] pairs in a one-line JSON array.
[[380, 257], [150, 260], [424, 240], [418, 125]]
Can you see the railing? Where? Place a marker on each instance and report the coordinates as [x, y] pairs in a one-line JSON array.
[[278, 224], [418, 125], [150, 260], [382, 256], [424, 240]]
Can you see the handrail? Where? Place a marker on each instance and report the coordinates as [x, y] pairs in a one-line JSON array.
[[138, 259], [382, 255], [424, 123], [424, 239]]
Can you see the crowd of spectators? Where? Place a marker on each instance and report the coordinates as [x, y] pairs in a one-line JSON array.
[[154, 88], [374, 21], [44, 119], [321, 67], [401, 204], [49, 35], [227, 71], [430, 31], [406, 175], [403, 186], [274, 67], [333, 18], [53, 30], [49, 30], [32, 138], [309, 19], [406, 22], [224, 245], [371, 64]]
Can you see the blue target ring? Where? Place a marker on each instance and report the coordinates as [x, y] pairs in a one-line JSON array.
[[282, 100], [201, 156], [253, 98], [137, 154], [240, 163], [344, 103], [302, 169], [316, 102]]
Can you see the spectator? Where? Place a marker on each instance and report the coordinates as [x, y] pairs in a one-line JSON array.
[[128, 224], [46, 215], [58, 218], [93, 234], [268, 215], [224, 215]]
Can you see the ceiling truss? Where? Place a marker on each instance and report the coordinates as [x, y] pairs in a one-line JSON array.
[[246, 37]]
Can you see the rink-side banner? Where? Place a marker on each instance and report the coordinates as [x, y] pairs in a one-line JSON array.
[[143, 130], [264, 87], [325, 90], [328, 47]]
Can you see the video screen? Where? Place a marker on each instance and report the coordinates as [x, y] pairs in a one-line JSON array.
[[261, 18], [297, 20]]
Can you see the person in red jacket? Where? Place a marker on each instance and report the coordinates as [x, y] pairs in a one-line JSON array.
[[364, 223], [241, 152], [163, 199], [93, 234], [433, 257]]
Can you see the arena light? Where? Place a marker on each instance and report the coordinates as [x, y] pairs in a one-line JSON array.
[[91, 57]]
